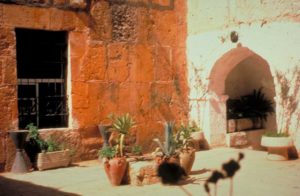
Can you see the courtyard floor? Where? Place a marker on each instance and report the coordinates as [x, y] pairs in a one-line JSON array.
[[257, 177]]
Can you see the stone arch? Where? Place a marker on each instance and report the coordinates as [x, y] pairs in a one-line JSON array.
[[221, 79]]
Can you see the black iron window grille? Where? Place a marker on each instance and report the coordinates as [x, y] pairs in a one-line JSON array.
[[41, 69]]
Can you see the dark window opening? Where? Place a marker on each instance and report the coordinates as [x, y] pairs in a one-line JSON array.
[[41, 71]]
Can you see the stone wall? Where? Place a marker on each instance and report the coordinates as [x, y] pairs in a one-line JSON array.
[[124, 56]]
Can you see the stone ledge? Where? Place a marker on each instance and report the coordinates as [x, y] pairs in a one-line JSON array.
[[249, 138], [143, 173]]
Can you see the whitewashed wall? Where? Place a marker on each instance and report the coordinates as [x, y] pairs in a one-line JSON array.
[[270, 29]]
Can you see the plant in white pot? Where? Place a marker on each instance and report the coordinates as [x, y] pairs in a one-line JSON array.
[[280, 144], [277, 144]]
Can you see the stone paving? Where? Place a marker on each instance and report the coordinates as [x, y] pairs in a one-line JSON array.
[[257, 177]]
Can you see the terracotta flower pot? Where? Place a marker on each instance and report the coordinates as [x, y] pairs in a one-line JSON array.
[[187, 158], [115, 169], [197, 138]]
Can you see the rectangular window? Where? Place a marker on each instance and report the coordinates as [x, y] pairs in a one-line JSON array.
[[41, 72]]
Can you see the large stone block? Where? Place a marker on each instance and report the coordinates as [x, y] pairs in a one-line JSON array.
[[95, 62], [8, 102], [79, 95], [9, 70], [118, 51], [163, 66], [127, 98], [118, 73], [237, 139], [62, 20], [100, 21], [27, 17], [164, 28], [1, 14], [78, 43], [7, 42], [141, 59], [144, 26]]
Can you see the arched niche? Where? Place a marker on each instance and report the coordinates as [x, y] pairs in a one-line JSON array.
[[237, 72]]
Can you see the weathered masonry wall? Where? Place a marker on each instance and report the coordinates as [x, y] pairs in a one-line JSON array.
[[267, 37], [124, 56]]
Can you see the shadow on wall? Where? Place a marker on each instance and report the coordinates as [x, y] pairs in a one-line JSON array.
[[16, 188]]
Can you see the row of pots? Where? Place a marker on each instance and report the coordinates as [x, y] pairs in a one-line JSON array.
[[116, 167]]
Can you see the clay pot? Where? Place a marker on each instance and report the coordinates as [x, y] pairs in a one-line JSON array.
[[187, 158], [115, 169], [197, 138]]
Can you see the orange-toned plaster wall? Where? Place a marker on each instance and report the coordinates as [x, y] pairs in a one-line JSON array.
[[123, 57]]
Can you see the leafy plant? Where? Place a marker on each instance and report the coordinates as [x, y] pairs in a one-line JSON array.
[[52, 145], [34, 136], [122, 124], [137, 150], [194, 127], [107, 152], [275, 134], [184, 135], [253, 105], [33, 131]]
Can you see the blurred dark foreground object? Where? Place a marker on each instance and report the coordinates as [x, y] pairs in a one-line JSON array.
[[170, 173]]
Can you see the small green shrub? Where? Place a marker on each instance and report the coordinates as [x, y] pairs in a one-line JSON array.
[[107, 152], [34, 136], [53, 145], [275, 134], [136, 150]]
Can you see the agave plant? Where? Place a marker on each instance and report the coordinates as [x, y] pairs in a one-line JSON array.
[[170, 144], [122, 124]]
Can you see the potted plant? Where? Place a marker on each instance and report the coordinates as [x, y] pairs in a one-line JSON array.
[[136, 150], [33, 143], [169, 151], [187, 152], [115, 163], [249, 111], [197, 136], [53, 155], [277, 144]]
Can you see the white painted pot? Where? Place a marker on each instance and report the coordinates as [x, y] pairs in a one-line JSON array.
[[277, 147], [276, 141]]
